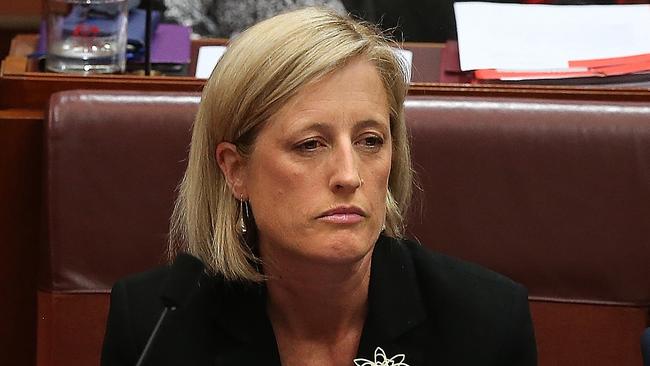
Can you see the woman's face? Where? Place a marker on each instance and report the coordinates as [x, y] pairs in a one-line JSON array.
[[318, 175]]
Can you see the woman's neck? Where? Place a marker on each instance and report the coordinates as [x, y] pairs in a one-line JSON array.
[[314, 301]]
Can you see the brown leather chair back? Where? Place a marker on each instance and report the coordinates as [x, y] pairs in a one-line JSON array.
[[554, 194], [112, 164]]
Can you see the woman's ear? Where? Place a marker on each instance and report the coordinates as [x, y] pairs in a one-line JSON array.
[[233, 165]]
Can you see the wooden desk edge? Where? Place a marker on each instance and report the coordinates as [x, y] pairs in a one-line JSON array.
[[18, 113], [14, 67]]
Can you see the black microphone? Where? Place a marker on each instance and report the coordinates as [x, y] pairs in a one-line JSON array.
[[182, 280]]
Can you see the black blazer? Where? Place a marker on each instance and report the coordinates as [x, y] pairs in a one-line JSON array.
[[434, 309]]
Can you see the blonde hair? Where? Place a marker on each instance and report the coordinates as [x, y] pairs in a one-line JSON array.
[[261, 70]]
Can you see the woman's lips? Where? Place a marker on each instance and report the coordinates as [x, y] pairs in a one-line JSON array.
[[343, 215]]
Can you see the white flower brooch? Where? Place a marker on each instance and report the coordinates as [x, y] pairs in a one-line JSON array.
[[382, 360]]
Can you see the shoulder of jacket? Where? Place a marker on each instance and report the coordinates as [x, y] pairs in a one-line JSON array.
[[147, 278], [432, 266]]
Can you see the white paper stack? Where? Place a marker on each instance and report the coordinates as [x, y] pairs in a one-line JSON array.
[[534, 41]]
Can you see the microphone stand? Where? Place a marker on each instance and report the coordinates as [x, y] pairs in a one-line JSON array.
[[145, 351], [182, 280], [147, 41]]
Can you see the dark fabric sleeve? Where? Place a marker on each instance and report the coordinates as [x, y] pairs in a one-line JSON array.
[[119, 347], [522, 349]]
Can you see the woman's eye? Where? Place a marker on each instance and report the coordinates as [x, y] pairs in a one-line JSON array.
[[371, 141], [309, 145]]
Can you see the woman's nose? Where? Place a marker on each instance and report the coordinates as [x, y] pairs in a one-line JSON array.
[[344, 170]]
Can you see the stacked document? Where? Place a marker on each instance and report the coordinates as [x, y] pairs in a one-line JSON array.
[[513, 42]]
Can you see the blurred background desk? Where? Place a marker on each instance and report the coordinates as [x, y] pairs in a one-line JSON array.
[[24, 95], [24, 86]]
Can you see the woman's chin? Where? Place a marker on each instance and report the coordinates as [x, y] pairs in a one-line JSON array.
[[320, 247], [342, 248]]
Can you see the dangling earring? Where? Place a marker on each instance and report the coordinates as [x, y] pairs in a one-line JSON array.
[[242, 222]]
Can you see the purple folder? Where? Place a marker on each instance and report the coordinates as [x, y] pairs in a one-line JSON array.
[[171, 45]]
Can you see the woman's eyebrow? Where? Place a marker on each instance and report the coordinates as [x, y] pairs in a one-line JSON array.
[[317, 126], [324, 127], [371, 123], [298, 127]]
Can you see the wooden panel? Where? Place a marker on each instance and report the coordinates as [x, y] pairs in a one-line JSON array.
[[22, 7], [20, 177], [33, 92], [588, 335], [71, 328], [11, 28], [18, 17]]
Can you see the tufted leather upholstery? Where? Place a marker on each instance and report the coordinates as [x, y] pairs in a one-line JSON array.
[[554, 194]]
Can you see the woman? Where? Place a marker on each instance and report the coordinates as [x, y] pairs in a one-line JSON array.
[[298, 180]]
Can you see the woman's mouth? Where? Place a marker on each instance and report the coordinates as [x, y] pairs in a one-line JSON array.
[[343, 215]]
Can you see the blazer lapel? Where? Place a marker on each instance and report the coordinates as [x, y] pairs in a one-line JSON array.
[[395, 306], [247, 335]]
